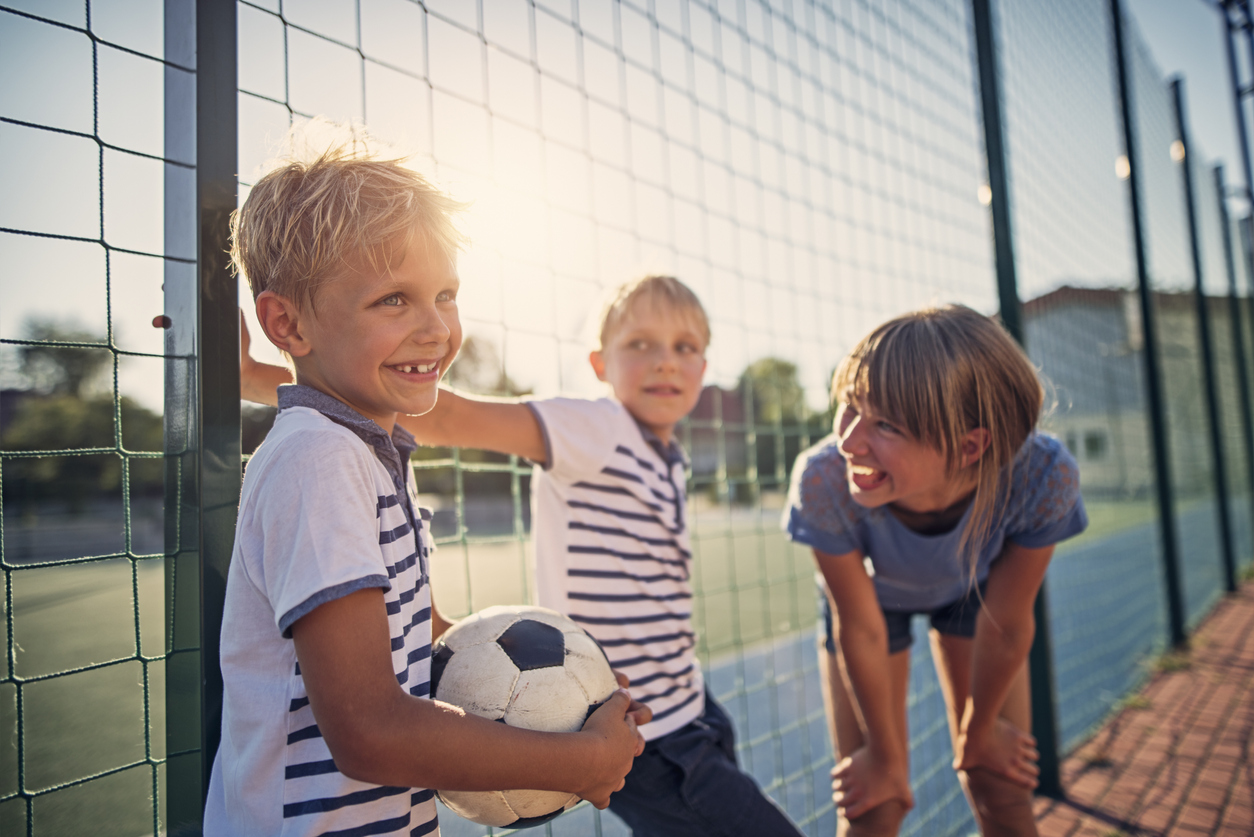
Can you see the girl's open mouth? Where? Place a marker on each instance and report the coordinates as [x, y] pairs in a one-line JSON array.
[[866, 479]]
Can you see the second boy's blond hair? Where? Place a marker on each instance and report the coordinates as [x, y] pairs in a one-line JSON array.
[[342, 208], [661, 291]]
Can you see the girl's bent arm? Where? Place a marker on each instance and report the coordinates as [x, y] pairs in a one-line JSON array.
[[378, 733], [862, 636], [1003, 637]]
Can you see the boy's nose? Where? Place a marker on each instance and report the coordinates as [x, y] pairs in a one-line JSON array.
[[431, 327]]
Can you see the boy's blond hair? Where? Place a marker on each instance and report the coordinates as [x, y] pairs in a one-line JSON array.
[[319, 212], [665, 292]]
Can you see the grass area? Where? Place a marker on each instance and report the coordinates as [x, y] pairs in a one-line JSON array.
[[1172, 661], [1108, 517], [88, 722]]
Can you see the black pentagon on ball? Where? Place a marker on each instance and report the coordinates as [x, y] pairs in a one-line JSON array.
[[530, 644], [528, 822], [439, 661]]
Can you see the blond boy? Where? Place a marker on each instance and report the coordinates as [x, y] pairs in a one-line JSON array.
[[326, 639]]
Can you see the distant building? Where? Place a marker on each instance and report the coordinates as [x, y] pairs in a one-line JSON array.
[[1087, 342]]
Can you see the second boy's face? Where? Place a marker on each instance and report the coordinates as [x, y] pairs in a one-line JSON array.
[[654, 361], [380, 343]]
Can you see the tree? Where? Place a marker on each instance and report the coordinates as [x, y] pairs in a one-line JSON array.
[[783, 421], [60, 412], [777, 396], [61, 370]]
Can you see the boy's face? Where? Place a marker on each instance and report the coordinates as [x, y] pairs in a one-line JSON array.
[[380, 342], [654, 361]]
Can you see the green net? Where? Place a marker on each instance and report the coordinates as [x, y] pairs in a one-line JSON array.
[[81, 449], [810, 169]]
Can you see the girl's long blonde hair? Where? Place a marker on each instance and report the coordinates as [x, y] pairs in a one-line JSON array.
[[939, 373]]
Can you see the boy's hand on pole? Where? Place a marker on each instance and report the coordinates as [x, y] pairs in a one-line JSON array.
[[1004, 749], [866, 779], [613, 730]]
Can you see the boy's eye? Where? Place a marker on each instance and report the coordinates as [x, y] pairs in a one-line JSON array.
[[391, 300], [883, 425], [446, 296]]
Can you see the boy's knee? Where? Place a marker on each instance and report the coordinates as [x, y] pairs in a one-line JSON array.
[[881, 821], [1001, 806]]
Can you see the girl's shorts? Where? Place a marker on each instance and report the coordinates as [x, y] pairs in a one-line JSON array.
[[954, 619]]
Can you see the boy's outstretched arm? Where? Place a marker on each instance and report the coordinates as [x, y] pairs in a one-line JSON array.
[[496, 424], [258, 382], [378, 733]]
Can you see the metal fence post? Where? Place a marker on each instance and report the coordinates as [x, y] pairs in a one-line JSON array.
[[1040, 658], [1206, 342], [1238, 336], [202, 430], [1239, 94], [217, 139], [1153, 372]]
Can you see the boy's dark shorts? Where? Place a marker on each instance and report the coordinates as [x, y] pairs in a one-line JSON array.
[[687, 784], [954, 619]]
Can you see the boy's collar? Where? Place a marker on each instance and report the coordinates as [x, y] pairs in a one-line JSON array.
[[671, 452], [393, 450]]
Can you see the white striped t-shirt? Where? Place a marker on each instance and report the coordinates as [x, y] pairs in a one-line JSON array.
[[611, 549], [327, 509]]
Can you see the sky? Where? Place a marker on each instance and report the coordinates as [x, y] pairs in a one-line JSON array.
[[1186, 38]]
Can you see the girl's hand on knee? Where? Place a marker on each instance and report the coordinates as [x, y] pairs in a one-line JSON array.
[[867, 779], [1004, 749]]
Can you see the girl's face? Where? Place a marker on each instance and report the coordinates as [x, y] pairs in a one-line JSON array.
[[887, 466]]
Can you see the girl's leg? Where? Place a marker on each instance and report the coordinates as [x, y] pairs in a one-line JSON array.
[[847, 736], [1002, 808]]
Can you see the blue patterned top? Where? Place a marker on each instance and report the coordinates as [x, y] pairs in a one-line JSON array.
[[916, 572]]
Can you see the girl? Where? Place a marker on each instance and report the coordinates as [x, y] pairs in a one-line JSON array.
[[934, 495]]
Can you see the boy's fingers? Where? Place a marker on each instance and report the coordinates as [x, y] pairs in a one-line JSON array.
[[642, 713], [623, 680]]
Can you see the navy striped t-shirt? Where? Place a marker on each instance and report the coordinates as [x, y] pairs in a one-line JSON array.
[[327, 509], [612, 549]]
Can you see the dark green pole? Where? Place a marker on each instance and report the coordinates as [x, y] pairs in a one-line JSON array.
[[1238, 338], [217, 140], [1206, 343], [1040, 658], [1153, 371], [1239, 94]]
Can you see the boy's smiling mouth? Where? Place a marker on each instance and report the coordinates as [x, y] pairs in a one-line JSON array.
[[416, 368]]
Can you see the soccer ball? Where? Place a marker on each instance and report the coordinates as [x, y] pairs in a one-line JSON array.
[[528, 667]]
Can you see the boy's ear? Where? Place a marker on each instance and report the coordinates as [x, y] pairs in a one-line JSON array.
[[973, 445], [280, 319], [598, 363]]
